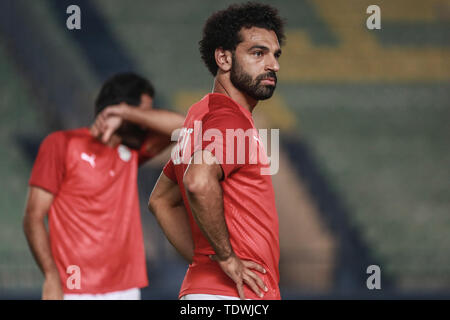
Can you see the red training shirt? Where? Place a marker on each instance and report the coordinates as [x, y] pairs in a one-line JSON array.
[[94, 219], [248, 197]]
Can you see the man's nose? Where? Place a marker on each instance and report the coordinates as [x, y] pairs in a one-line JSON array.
[[273, 64]]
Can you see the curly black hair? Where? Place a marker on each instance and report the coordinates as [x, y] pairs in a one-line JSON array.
[[221, 30]]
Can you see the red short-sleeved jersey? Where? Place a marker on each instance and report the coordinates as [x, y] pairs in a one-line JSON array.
[[248, 196], [94, 219]]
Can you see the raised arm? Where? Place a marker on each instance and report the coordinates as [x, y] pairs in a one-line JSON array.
[[38, 205], [204, 192], [109, 120], [163, 121]]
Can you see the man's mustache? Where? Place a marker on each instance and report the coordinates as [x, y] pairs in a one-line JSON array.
[[268, 75]]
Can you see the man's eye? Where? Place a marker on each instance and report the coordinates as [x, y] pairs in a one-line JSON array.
[[258, 53]]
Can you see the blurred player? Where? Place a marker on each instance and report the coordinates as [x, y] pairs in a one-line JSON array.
[[230, 222], [88, 188]]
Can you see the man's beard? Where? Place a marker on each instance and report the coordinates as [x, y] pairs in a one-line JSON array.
[[133, 136], [253, 88]]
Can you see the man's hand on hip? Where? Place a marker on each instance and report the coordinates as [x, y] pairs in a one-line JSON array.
[[240, 271]]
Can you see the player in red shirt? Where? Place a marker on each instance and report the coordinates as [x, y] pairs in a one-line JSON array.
[[94, 247], [228, 219]]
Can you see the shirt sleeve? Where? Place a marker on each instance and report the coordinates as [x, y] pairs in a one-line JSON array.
[[49, 167], [152, 146], [228, 134], [169, 171]]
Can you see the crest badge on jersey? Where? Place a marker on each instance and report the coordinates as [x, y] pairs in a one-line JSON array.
[[124, 153]]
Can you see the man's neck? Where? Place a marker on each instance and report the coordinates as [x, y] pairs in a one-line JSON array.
[[223, 85]]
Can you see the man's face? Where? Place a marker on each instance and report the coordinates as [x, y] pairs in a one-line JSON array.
[[255, 63], [132, 134]]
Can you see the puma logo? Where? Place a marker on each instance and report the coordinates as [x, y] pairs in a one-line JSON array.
[[90, 159]]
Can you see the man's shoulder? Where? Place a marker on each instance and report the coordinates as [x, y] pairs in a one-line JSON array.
[[62, 138], [218, 102], [219, 110], [214, 102], [198, 108], [67, 134], [223, 110]]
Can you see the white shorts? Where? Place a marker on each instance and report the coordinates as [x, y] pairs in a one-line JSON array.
[[197, 296], [130, 294]]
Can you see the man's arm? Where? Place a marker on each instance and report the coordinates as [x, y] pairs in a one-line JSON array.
[[163, 121], [109, 120], [38, 204], [204, 192], [166, 203]]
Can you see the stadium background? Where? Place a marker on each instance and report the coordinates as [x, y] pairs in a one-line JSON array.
[[363, 117]]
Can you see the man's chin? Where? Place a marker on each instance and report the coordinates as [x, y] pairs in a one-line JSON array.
[[265, 95]]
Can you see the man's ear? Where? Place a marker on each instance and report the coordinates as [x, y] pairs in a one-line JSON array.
[[223, 59]]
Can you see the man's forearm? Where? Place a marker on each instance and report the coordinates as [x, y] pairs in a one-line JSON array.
[[39, 243], [207, 207], [163, 121]]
